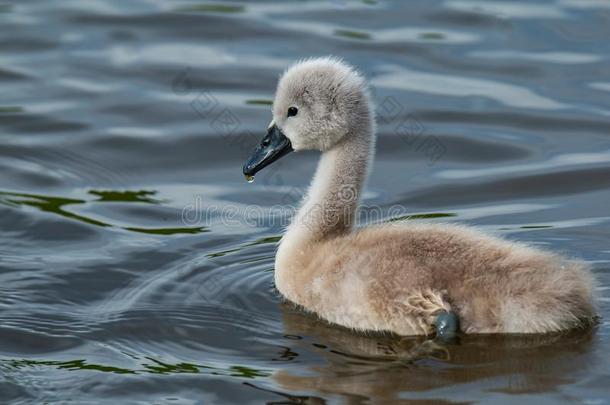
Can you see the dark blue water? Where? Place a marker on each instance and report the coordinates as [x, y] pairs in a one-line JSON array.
[[136, 264]]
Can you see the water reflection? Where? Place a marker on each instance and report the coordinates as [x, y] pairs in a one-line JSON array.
[[387, 368]]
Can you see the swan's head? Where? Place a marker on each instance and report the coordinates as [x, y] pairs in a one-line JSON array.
[[318, 102]]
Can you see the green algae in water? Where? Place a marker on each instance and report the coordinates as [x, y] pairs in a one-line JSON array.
[[353, 34], [70, 365], [168, 231], [160, 367], [259, 102], [10, 109], [260, 241], [508, 228], [423, 216], [152, 366], [246, 372], [142, 196], [214, 8], [432, 35], [54, 205], [266, 240]]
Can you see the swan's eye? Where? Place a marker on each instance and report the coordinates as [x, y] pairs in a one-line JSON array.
[[292, 111]]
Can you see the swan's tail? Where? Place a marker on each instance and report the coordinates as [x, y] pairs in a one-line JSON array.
[[556, 300]]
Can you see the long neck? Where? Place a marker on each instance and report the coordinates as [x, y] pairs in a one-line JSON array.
[[329, 208]]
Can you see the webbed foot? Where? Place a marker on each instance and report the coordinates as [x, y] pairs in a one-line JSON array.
[[447, 325]]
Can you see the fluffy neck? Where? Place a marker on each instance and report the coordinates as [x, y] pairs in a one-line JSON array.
[[329, 208]]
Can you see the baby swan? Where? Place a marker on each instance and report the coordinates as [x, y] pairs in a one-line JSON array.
[[407, 278]]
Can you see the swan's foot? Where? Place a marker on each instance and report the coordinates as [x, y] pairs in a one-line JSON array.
[[427, 306], [447, 325]]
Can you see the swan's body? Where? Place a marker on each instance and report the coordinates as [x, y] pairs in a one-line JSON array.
[[397, 277]]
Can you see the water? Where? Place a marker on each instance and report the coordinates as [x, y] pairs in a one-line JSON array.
[[136, 263]]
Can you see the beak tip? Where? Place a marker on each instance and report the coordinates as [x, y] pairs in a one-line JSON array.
[[249, 170]]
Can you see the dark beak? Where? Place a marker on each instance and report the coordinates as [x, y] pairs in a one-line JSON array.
[[273, 146]]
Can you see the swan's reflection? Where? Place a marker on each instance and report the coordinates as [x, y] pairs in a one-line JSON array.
[[388, 368]]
